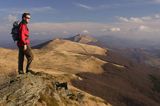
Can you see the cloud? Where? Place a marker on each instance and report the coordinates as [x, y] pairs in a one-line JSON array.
[[137, 20], [11, 18], [123, 19], [157, 16], [46, 9], [141, 28], [146, 26], [115, 29], [17, 11], [132, 19], [84, 6], [85, 31], [65, 32], [128, 27], [69, 28], [146, 18], [140, 20], [103, 30]]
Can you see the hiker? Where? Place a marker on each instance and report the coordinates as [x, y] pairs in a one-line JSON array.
[[24, 44]]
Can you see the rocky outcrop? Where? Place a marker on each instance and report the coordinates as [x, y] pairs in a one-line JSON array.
[[39, 89]]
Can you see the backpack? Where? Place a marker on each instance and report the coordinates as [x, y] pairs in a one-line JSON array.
[[15, 31]]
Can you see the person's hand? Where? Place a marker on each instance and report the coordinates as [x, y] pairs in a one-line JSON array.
[[25, 47]]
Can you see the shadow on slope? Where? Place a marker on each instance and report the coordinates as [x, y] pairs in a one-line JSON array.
[[42, 44], [120, 86]]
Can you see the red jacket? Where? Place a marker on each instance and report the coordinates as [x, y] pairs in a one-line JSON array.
[[23, 34]]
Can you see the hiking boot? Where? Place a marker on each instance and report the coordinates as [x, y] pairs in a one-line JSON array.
[[32, 72], [20, 72]]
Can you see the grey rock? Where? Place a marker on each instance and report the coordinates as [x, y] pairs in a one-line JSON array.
[[36, 89]]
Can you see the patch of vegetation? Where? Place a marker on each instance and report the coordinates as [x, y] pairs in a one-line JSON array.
[[95, 99], [61, 54], [156, 83], [50, 101]]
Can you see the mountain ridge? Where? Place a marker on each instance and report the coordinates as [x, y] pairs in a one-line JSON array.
[[101, 72]]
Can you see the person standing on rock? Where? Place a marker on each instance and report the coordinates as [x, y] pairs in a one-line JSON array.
[[24, 45]]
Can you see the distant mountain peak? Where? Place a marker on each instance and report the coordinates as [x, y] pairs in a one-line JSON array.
[[81, 38]]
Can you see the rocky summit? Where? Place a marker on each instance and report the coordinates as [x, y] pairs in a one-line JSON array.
[[40, 89]]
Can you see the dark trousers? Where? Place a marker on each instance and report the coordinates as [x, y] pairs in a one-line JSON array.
[[28, 54]]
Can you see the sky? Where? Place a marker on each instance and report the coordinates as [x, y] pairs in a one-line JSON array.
[[137, 19]]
